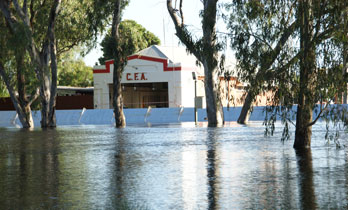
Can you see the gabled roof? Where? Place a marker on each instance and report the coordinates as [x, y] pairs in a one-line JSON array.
[[152, 51], [173, 54], [180, 55]]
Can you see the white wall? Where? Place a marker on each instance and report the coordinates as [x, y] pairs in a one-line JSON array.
[[180, 83]]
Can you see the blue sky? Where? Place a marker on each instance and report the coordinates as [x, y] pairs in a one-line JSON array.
[[153, 15]]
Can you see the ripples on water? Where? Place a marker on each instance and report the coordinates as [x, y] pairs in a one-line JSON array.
[[168, 167]]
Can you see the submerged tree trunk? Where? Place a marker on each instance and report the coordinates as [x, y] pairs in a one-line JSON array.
[[246, 109], [269, 57], [45, 94], [48, 72], [306, 101], [206, 53], [24, 101], [119, 63], [213, 98], [210, 60]]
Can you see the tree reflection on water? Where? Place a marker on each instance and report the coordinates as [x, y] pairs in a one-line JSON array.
[[166, 168], [212, 136], [305, 179], [31, 175]]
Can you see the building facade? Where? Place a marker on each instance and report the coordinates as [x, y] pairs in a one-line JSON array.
[[162, 77], [156, 77]]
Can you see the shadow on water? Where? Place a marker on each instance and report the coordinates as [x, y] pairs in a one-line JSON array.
[[307, 196]]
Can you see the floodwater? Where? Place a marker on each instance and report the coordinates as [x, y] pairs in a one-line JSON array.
[[168, 167]]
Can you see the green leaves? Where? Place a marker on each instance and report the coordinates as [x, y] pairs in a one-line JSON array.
[[300, 61], [133, 38], [72, 71]]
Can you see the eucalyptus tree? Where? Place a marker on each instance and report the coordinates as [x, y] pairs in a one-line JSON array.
[[129, 38], [319, 77], [206, 51], [120, 59], [342, 36], [47, 32], [307, 70], [12, 57], [261, 34], [133, 37], [14, 43]]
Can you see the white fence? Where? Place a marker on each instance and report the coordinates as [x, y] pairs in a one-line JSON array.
[[133, 116]]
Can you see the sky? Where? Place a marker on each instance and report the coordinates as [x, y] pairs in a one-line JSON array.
[[153, 15]]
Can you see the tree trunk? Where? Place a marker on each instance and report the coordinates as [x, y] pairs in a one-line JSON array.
[[265, 66], [54, 76], [246, 109], [23, 110], [119, 63], [303, 133], [45, 94], [344, 71], [49, 72], [25, 115], [206, 52], [306, 99], [120, 119], [345, 52], [210, 62], [213, 100]]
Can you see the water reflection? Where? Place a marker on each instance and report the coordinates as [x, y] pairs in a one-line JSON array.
[[119, 160], [30, 166], [167, 168], [305, 179], [212, 165]]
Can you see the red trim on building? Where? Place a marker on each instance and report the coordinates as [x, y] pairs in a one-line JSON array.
[[107, 70], [141, 57], [159, 60]]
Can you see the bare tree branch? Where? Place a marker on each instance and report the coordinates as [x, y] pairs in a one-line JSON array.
[[320, 113], [10, 19], [34, 96], [21, 13], [10, 89], [181, 12], [182, 32], [25, 8], [32, 13]]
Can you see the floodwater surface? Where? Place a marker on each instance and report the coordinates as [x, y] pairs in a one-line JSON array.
[[168, 167]]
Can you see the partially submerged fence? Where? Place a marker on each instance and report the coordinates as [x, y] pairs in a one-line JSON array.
[[133, 116]]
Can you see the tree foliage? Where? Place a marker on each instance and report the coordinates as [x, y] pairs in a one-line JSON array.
[[72, 71], [307, 70], [46, 29], [262, 37], [133, 38]]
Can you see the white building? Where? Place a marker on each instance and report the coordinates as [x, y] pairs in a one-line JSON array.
[[156, 76]]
